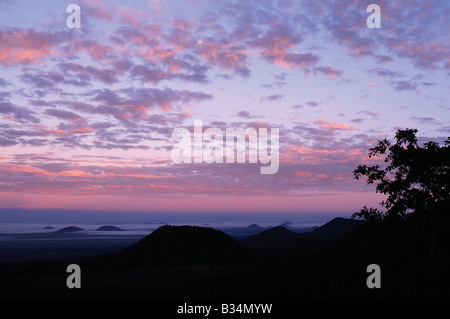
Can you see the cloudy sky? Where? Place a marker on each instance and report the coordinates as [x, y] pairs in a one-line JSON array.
[[86, 115]]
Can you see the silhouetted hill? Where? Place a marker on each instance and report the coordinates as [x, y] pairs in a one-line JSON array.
[[281, 238], [186, 245], [48, 227], [109, 228], [335, 227], [269, 237], [69, 229]]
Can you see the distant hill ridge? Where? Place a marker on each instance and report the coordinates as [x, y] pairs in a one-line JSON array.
[[282, 238], [69, 229], [286, 224], [253, 227], [109, 228]]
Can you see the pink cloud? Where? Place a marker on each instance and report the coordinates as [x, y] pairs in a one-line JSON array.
[[137, 175], [74, 173], [14, 168], [132, 16], [31, 46], [65, 130], [224, 54], [314, 155], [96, 50], [334, 125], [329, 71], [97, 10], [12, 118]]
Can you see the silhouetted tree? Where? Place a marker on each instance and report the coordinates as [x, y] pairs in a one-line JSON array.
[[416, 179]]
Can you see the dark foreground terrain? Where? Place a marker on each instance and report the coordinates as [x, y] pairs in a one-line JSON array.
[[197, 262]]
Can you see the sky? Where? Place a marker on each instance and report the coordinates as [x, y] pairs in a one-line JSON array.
[[87, 114]]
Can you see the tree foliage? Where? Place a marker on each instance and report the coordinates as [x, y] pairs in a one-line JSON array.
[[415, 178]]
